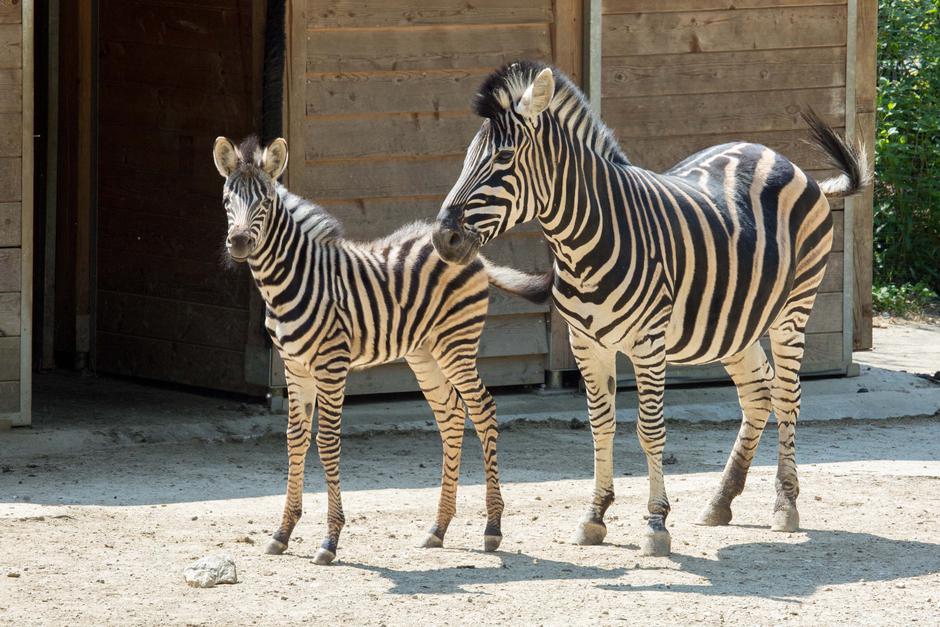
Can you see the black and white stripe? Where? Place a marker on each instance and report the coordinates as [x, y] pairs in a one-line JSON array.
[[689, 266], [334, 305]]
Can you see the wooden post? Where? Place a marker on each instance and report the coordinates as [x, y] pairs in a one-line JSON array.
[[26, 243], [865, 70], [47, 360], [85, 174]]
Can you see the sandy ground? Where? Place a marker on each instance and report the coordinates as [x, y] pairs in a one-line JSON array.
[[104, 538]]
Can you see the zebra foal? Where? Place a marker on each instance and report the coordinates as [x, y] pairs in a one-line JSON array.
[[334, 305], [689, 266]]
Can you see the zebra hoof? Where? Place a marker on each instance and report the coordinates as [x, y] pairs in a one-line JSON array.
[[656, 543], [432, 542], [590, 533], [717, 512], [324, 557], [491, 543], [786, 520], [275, 547]]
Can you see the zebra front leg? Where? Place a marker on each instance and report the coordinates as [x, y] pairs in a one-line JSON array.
[[331, 387], [302, 396], [451, 416], [752, 376], [787, 343], [649, 362], [599, 370], [461, 371]]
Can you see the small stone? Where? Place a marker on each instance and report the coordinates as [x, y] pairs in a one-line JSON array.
[[244, 540], [670, 459], [862, 390], [13, 574], [195, 518], [208, 571]]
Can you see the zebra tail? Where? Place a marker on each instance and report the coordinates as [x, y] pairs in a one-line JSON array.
[[536, 288], [851, 160]]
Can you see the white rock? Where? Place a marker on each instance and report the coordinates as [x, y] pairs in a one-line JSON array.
[[211, 570]]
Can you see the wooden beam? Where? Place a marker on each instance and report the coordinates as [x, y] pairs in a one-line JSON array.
[[591, 81], [47, 359], [83, 226], [26, 243], [865, 69]]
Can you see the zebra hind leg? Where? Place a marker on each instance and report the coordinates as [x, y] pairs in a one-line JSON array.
[[787, 344], [752, 377], [599, 371], [461, 371], [451, 417], [302, 394]]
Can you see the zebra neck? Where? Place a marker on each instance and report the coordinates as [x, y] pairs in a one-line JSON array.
[[289, 266]]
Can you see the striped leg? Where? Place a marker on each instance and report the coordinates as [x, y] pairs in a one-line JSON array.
[[451, 416], [461, 371], [787, 343], [599, 370], [331, 383], [302, 396], [752, 376], [649, 362]]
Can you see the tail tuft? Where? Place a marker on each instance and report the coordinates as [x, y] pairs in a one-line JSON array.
[[536, 288], [851, 160]]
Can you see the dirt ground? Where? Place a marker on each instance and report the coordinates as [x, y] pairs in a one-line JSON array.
[[104, 539]]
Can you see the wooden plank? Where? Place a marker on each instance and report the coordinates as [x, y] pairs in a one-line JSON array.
[[85, 175], [9, 314], [11, 53], [741, 113], [191, 27], [11, 90], [10, 358], [10, 399], [213, 72], [10, 224], [11, 12], [344, 179], [426, 48], [399, 134], [392, 92], [568, 38], [11, 134], [187, 280], [368, 13], [11, 179], [669, 6], [10, 270], [716, 31], [660, 153], [171, 107], [27, 237], [838, 235], [172, 362], [832, 281], [721, 72], [163, 319], [826, 316], [48, 242]]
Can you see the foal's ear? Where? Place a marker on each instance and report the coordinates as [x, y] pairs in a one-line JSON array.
[[538, 95], [274, 159], [226, 159]]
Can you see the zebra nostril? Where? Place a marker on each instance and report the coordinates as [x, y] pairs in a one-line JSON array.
[[453, 239]]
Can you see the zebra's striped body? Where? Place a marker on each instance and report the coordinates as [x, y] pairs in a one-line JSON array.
[[687, 267], [334, 305]]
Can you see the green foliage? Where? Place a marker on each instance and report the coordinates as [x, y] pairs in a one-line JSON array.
[[902, 300], [907, 161]]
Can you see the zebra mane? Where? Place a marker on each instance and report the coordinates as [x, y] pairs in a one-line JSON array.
[[506, 85]]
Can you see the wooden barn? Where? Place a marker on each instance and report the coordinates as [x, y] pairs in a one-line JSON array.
[[111, 225]]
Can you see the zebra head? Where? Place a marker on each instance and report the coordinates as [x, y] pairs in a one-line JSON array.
[[508, 171], [250, 175]]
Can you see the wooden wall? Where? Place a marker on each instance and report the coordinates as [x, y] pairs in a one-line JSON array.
[[172, 77], [680, 75], [15, 209], [379, 120]]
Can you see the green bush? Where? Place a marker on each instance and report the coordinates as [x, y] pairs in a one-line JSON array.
[[902, 300], [907, 151]]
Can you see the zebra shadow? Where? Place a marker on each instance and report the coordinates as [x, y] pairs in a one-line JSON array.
[[784, 571], [511, 567]]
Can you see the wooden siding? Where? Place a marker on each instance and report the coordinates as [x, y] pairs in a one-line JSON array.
[[681, 75], [379, 119], [172, 77], [11, 204]]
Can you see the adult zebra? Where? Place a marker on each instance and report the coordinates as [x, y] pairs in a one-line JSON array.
[[334, 305], [685, 267]]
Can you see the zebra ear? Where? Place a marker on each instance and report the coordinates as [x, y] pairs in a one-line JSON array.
[[274, 159], [538, 95], [225, 156]]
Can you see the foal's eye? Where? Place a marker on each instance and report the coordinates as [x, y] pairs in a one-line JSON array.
[[504, 156]]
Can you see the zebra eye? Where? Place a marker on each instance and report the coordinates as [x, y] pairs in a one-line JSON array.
[[504, 156]]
